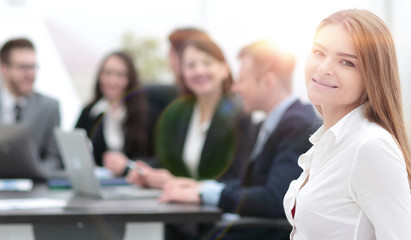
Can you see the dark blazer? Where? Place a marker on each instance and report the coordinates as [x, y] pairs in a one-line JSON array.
[[217, 159], [94, 126], [261, 192]]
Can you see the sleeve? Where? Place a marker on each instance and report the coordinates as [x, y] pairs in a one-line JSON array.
[[244, 141], [380, 186], [266, 200], [170, 135], [210, 192], [51, 157], [82, 120]]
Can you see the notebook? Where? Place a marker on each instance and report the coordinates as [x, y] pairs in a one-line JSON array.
[[19, 157], [75, 149]]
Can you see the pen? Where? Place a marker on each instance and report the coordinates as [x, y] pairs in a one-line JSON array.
[[133, 166]]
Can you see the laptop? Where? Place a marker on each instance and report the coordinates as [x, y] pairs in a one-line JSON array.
[[19, 157], [75, 149]]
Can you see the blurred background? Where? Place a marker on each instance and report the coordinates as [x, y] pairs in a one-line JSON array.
[[72, 37]]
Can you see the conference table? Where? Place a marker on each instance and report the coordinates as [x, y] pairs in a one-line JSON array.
[[79, 217]]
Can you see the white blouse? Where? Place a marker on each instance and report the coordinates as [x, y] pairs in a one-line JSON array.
[[195, 138], [357, 188], [113, 123]]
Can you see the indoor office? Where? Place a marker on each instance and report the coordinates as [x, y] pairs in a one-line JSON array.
[[205, 119]]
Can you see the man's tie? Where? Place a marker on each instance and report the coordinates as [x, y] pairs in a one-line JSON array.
[[17, 112], [261, 139]]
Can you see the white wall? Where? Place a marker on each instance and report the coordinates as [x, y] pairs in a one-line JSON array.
[[402, 36], [99, 24], [52, 78]]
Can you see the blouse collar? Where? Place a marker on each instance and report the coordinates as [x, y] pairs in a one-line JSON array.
[[341, 129]]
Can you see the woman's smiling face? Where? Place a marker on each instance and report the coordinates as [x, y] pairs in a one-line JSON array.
[[203, 74], [332, 75]]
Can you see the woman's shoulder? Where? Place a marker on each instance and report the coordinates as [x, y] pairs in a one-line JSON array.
[[85, 117], [88, 107], [177, 110], [374, 139], [370, 131], [378, 164], [85, 111], [180, 104]]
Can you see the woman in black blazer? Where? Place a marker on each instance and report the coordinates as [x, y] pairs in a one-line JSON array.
[[116, 118]]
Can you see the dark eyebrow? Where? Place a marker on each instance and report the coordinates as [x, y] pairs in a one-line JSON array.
[[341, 54], [346, 55]]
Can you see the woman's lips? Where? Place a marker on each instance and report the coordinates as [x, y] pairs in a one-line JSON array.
[[324, 84]]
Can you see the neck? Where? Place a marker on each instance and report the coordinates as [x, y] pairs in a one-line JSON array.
[[207, 105], [274, 99], [12, 91], [332, 114], [114, 104]]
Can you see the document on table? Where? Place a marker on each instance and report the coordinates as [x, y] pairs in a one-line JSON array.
[[19, 185], [31, 203]]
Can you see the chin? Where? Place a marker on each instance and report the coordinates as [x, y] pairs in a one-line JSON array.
[[247, 110], [315, 98], [201, 93], [25, 92]]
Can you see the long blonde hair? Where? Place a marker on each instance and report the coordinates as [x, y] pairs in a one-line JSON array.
[[377, 62]]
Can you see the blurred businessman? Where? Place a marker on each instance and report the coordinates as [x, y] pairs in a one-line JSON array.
[[19, 104]]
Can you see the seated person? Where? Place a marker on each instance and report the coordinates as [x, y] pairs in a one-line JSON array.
[[198, 135], [264, 83], [116, 120], [159, 96], [19, 103]]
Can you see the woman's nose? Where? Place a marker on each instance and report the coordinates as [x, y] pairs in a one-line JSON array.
[[326, 67]]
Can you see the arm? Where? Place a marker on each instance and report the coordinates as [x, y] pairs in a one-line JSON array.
[[170, 136], [117, 162], [50, 153], [380, 187], [245, 133], [83, 119], [144, 175], [265, 199]]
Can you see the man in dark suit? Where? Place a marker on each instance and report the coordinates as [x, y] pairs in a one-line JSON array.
[[20, 104], [264, 84]]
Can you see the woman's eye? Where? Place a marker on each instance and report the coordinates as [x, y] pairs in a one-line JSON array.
[[189, 65], [317, 52], [347, 63]]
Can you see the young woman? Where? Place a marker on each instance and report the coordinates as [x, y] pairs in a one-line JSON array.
[[116, 118], [355, 180], [197, 134]]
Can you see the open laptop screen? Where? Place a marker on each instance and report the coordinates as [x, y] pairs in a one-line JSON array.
[[19, 156], [78, 159]]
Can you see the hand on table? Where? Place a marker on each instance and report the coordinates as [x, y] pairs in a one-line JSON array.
[[144, 175], [115, 161], [181, 182], [181, 190]]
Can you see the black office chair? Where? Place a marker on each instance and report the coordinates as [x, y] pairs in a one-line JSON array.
[[246, 222], [160, 96]]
